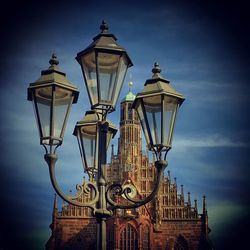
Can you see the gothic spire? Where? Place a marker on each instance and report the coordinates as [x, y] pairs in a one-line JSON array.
[[204, 205], [189, 200], [182, 191], [112, 152], [195, 204], [55, 207]]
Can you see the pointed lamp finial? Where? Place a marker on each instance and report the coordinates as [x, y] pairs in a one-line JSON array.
[[156, 70], [104, 27], [53, 60]]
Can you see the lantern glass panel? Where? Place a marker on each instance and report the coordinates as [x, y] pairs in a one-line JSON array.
[[43, 102], [87, 138], [62, 103], [153, 110], [88, 63], [170, 107], [121, 73], [143, 124], [107, 70]]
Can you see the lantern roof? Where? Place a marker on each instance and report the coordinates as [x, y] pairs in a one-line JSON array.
[[53, 75], [92, 117], [104, 41], [159, 85]]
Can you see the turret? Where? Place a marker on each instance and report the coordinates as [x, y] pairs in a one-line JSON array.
[[112, 152], [195, 208], [55, 206], [189, 200], [204, 205], [182, 195], [205, 217]]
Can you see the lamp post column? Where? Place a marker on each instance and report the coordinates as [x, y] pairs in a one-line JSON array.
[[102, 213]]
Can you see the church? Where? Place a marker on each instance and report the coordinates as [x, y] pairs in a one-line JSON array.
[[169, 222]]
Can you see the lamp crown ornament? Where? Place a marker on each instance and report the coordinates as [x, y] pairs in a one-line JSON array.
[[156, 70], [53, 60], [104, 27]]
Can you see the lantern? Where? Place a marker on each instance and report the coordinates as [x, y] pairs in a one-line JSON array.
[[157, 106], [52, 95], [104, 65]]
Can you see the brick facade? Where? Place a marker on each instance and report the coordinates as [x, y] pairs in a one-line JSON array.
[[168, 222]]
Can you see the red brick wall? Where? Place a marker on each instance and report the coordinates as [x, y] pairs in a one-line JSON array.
[[74, 234]]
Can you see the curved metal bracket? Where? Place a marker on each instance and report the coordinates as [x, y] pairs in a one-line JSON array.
[[118, 189], [51, 161]]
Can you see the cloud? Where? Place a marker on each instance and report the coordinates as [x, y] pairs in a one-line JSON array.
[[214, 140]]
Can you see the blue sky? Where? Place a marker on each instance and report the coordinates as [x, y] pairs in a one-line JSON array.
[[201, 48]]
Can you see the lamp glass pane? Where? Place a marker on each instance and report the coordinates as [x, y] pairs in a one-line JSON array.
[[88, 144], [62, 104], [170, 106], [153, 110], [121, 73], [107, 70], [43, 99], [88, 63], [143, 123]]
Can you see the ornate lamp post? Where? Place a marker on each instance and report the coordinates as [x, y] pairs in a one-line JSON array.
[[104, 64]]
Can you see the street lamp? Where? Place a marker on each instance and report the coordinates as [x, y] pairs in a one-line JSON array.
[[52, 95], [104, 64], [86, 131], [157, 106]]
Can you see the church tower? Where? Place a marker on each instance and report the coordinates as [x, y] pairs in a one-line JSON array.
[[129, 144]]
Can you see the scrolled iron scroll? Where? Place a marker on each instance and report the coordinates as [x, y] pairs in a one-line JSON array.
[[51, 160], [119, 190]]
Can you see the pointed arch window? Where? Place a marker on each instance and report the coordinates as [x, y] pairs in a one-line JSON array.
[[128, 238], [122, 113], [130, 112]]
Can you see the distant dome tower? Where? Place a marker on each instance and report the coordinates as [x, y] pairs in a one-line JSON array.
[[130, 136]]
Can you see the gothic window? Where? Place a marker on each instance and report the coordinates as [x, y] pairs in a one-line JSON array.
[[146, 240], [150, 172], [165, 200], [144, 173], [173, 200], [165, 213], [130, 112], [128, 238], [151, 184], [122, 113], [143, 186], [180, 243]]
